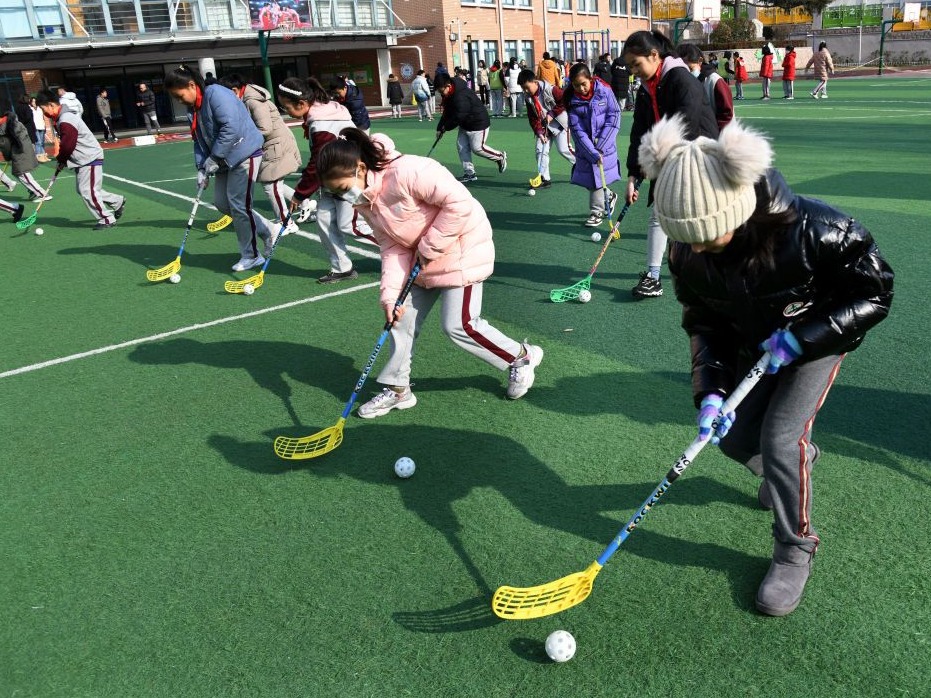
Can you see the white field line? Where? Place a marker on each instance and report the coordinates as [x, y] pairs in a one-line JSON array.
[[310, 236], [182, 330]]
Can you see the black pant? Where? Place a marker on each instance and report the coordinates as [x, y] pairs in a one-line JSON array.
[[483, 93], [108, 128]]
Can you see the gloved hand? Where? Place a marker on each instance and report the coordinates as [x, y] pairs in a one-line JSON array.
[[202, 179], [210, 166], [707, 413], [783, 349]]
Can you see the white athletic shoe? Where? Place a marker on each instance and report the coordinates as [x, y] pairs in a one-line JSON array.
[[249, 263], [386, 401], [521, 373], [307, 208]]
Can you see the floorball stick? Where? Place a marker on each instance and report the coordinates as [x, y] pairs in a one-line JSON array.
[[256, 280], [174, 267], [219, 224], [561, 295], [516, 603], [327, 439], [435, 143], [29, 220]]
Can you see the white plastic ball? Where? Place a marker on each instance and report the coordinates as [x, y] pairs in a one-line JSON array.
[[585, 296], [175, 278], [560, 646], [531, 192], [596, 237], [248, 289], [404, 467], [39, 231]]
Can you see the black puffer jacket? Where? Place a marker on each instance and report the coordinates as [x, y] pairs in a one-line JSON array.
[[355, 103], [463, 108], [828, 281]]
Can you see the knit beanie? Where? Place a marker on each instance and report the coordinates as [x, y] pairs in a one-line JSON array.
[[704, 187]]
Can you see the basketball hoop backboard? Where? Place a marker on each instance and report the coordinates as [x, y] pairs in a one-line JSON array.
[[911, 12], [706, 10]]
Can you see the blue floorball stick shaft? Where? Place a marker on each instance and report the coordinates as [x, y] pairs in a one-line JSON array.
[[381, 340], [686, 459]]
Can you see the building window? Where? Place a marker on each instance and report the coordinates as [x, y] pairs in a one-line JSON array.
[[510, 3], [555, 49], [560, 5], [14, 20], [617, 7], [48, 19], [155, 15], [638, 8], [615, 49], [490, 49], [587, 6], [510, 50], [526, 52], [568, 49]]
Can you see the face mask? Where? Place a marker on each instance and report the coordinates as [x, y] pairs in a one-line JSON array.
[[351, 196], [695, 71]]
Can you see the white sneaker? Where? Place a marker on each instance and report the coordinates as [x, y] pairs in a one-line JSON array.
[[386, 401], [249, 263], [594, 219], [307, 208], [521, 376]]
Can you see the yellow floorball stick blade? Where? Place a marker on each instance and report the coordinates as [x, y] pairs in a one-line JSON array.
[[164, 272], [513, 603], [310, 446], [238, 286], [536, 181], [219, 224]]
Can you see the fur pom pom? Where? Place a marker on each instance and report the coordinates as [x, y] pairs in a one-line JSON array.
[[744, 153], [658, 143]]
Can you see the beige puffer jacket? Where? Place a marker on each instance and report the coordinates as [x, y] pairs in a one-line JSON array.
[[280, 154]]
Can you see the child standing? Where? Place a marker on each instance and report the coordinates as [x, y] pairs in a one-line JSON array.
[[496, 87], [78, 149], [20, 151], [280, 154], [228, 147], [419, 212], [395, 96], [323, 119], [740, 75], [666, 88], [462, 108], [594, 119], [788, 73], [823, 65], [766, 70], [757, 268], [421, 89], [728, 67], [547, 114]]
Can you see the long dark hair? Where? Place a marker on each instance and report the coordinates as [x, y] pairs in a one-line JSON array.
[[233, 81], [180, 77], [296, 90], [340, 157], [761, 234], [643, 43]]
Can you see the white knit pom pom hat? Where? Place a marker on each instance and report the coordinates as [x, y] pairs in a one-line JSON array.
[[704, 187]]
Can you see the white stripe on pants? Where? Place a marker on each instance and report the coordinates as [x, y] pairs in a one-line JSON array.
[[337, 221], [7, 206], [461, 321], [89, 184], [31, 184], [280, 195], [232, 195], [470, 142], [543, 152]]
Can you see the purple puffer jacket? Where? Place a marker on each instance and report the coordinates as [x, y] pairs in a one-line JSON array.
[[594, 124]]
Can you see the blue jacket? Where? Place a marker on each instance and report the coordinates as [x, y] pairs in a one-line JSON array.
[[594, 124], [224, 130], [356, 106]]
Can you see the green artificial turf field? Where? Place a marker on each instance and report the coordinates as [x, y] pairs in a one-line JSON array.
[[153, 545]]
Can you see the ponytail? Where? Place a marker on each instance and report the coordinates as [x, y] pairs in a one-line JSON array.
[[339, 158], [296, 90], [643, 43], [182, 75]]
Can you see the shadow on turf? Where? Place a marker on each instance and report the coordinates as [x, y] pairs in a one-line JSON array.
[[268, 363], [454, 463]]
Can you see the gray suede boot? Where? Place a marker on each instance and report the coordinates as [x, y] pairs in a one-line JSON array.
[[782, 587]]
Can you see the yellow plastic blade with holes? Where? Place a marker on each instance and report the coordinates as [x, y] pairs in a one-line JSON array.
[[164, 272], [238, 286], [311, 446], [219, 224], [516, 603]]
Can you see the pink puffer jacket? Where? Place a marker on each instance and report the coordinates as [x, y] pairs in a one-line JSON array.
[[417, 207]]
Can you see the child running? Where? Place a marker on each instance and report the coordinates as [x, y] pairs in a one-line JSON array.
[[758, 268], [228, 147], [280, 154], [823, 64], [594, 119], [666, 88], [78, 149], [463, 108], [418, 211], [323, 119], [547, 115], [19, 150]]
